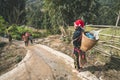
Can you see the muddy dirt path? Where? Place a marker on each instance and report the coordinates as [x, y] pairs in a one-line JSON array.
[[39, 64], [60, 69], [44, 63]]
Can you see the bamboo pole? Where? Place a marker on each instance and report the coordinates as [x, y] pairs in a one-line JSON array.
[[109, 35]]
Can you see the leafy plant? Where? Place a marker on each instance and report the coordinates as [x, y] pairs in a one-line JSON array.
[[2, 25], [18, 58]]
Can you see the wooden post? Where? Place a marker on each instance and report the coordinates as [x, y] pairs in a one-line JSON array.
[[118, 18]]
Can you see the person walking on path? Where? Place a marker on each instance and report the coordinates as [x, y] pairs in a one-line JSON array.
[[31, 38], [27, 34], [77, 35], [9, 38], [25, 39]]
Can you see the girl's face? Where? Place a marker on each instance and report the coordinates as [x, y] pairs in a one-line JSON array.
[[75, 27]]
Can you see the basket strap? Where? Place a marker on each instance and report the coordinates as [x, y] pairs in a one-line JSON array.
[[78, 38]]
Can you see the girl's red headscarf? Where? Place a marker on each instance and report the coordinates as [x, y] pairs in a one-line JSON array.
[[79, 23]]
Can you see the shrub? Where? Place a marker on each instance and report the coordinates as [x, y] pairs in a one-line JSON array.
[[2, 25], [16, 32], [18, 58]]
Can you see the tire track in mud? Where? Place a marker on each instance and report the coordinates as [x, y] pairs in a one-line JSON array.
[[60, 69]]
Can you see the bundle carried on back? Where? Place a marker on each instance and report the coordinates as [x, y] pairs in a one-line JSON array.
[[88, 41]]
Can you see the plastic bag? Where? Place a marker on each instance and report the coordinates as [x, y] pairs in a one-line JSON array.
[[96, 34], [89, 35]]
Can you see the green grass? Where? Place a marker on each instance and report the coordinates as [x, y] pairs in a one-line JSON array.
[[111, 31]]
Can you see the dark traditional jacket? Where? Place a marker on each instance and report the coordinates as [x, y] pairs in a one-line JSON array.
[[77, 37]]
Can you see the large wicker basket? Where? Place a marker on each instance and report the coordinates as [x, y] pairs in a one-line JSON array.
[[87, 43]]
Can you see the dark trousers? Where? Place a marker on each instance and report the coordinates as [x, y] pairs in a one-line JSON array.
[[79, 58], [31, 41], [26, 43], [76, 59]]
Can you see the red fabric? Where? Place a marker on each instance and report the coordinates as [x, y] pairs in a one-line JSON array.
[[83, 56], [76, 49], [80, 52], [78, 23]]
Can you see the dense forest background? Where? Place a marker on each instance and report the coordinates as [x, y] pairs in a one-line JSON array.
[[51, 14]]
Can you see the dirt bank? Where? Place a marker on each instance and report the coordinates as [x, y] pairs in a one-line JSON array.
[[104, 67], [10, 55]]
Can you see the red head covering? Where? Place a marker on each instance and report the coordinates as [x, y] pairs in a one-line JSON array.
[[79, 23]]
